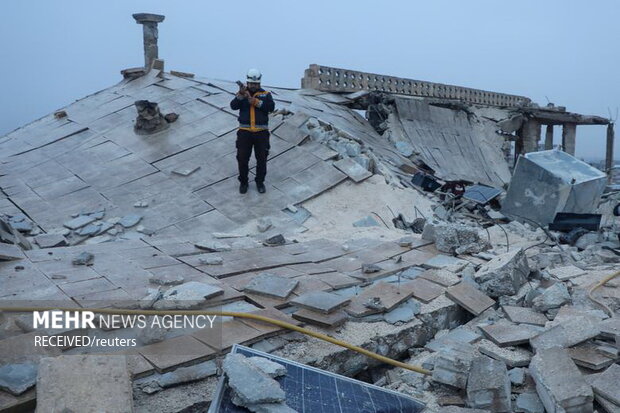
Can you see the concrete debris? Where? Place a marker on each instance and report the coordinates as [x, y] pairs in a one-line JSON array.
[[469, 297], [264, 224], [559, 383], [368, 221], [455, 238], [270, 368], [370, 268], [151, 333], [251, 386], [504, 333], [524, 315], [321, 301], [552, 297], [141, 204], [607, 384], [79, 222], [167, 278], [529, 403], [188, 295], [517, 376], [79, 383], [567, 333], [179, 376], [213, 246], [488, 385], [452, 365], [130, 220], [512, 356], [84, 258], [17, 378], [271, 285], [504, 274], [149, 119]]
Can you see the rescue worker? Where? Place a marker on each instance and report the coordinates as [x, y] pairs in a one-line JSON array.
[[254, 105]]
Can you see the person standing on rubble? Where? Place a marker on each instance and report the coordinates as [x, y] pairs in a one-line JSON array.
[[254, 105]]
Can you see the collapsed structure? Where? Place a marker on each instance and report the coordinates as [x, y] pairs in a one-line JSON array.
[[127, 198]]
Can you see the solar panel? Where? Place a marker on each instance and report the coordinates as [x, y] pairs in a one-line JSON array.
[[481, 193], [309, 389]]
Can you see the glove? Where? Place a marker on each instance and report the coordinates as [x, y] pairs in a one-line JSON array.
[[255, 102]]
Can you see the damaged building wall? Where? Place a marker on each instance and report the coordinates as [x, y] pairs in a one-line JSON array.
[[457, 145]]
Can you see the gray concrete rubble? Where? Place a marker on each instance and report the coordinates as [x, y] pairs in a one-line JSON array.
[[390, 231], [504, 274], [559, 383], [488, 385]]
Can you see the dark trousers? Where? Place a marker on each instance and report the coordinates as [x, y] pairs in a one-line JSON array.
[[247, 140]]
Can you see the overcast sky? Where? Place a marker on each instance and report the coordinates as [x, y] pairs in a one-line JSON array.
[[55, 52]]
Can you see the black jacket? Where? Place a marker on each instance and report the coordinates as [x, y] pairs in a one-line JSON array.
[[253, 118]]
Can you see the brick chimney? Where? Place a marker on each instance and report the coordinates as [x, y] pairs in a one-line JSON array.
[[149, 28]]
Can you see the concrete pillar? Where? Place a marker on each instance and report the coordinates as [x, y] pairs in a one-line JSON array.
[[549, 138], [149, 29], [530, 135], [609, 152], [569, 134]]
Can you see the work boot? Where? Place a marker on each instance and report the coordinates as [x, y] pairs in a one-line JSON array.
[[243, 188], [261, 188]]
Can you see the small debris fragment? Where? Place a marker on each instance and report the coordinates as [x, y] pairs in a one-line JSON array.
[[264, 224], [84, 258], [275, 241]]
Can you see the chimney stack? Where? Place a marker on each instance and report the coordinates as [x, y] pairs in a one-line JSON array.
[[149, 28]]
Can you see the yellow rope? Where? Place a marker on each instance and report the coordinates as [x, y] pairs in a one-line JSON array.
[[600, 284], [250, 316]]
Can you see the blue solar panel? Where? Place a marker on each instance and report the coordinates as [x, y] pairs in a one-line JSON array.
[[309, 389]]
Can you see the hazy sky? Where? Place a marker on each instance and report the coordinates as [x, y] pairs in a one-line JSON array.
[[54, 52]]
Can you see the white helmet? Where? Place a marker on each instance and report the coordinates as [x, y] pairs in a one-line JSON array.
[[254, 76]]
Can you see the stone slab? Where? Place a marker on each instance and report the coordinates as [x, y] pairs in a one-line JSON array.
[[10, 252], [567, 333], [423, 289], [378, 298], [352, 169], [512, 356], [607, 385], [488, 385], [176, 351], [271, 285], [587, 355], [504, 333], [524, 315], [320, 301], [84, 384], [333, 319], [559, 383], [470, 298]]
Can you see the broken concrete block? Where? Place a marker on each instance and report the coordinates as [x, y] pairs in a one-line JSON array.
[[403, 312], [84, 258], [607, 385], [187, 295], [504, 333], [167, 278], [529, 403], [271, 285], [512, 356], [470, 298], [559, 383], [366, 222], [250, 385], [151, 333], [79, 383], [488, 385], [524, 315], [17, 378], [130, 220], [264, 224], [516, 376], [213, 246], [452, 364], [270, 368], [567, 333], [50, 240], [456, 336], [452, 237], [504, 274], [79, 222], [179, 376], [320, 301], [553, 297], [141, 204]]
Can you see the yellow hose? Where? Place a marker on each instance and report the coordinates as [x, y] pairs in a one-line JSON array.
[[251, 316], [600, 284]]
